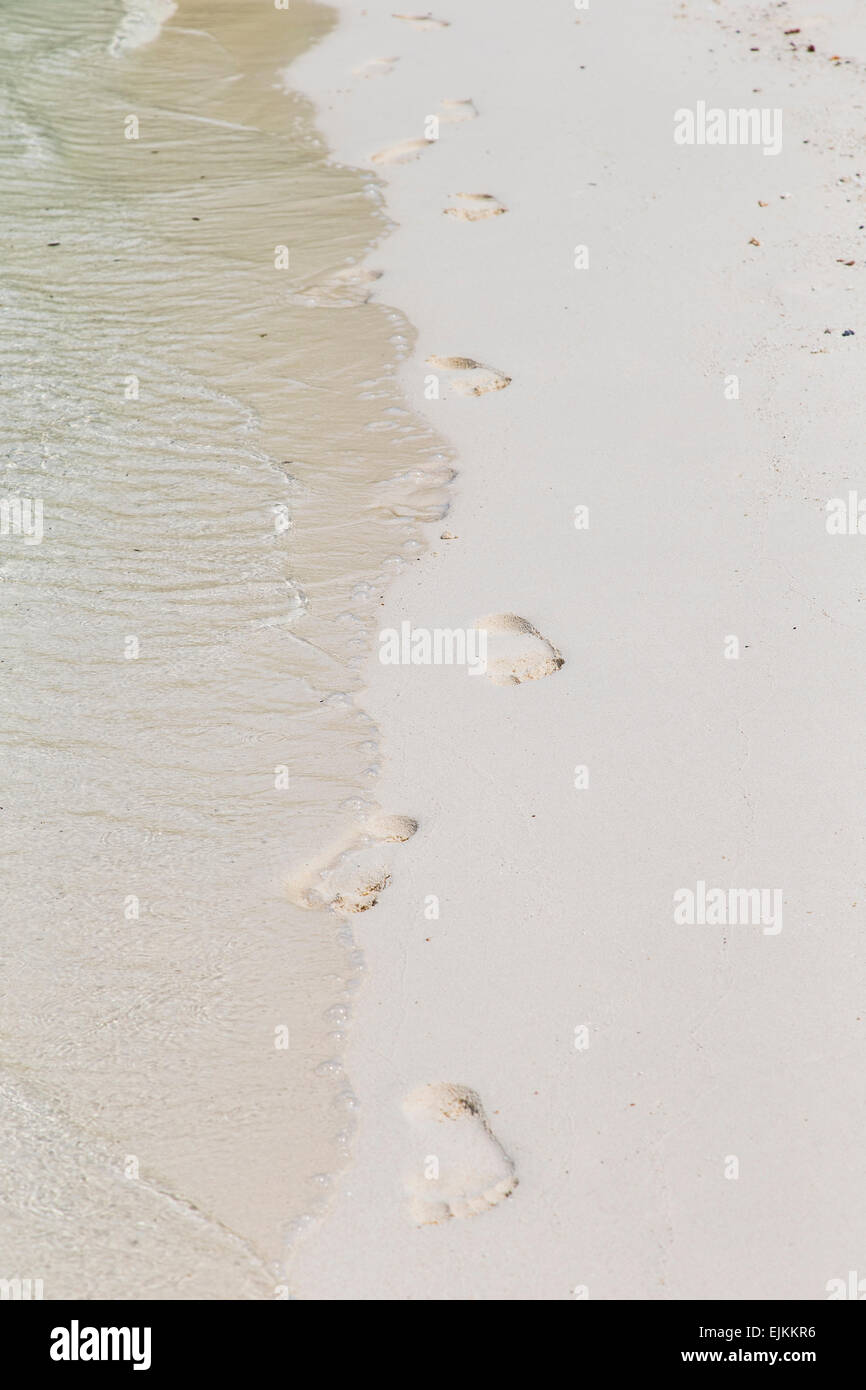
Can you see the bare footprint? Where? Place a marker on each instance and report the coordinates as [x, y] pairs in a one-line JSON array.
[[423, 21], [476, 207], [352, 874], [463, 1169], [355, 882], [347, 287], [455, 110], [385, 827], [420, 493], [476, 379], [376, 67], [401, 152], [516, 651]]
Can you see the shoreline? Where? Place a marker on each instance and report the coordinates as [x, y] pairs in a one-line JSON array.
[[705, 520], [225, 470]]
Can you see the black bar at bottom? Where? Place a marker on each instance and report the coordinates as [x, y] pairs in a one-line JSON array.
[[167, 1338]]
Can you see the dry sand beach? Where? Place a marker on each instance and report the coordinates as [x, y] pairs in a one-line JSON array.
[[489, 795], [681, 326]]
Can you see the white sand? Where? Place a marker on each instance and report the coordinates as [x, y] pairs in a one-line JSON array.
[[706, 519]]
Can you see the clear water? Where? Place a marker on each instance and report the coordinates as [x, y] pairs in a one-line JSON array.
[[226, 471]]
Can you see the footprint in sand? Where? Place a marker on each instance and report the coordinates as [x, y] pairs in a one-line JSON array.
[[476, 207], [516, 651], [376, 67], [451, 112], [475, 379], [350, 877], [355, 882], [384, 827], [419, 493], [462, 1167], [456, 110], [347, 287], [401, 152], [423, 21]]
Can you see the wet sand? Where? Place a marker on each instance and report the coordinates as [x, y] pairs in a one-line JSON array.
[[218, 445]]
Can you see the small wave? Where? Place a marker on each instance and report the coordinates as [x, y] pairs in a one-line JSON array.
[[141, 24]]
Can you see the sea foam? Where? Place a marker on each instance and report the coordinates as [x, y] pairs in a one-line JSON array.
[[141, 24]]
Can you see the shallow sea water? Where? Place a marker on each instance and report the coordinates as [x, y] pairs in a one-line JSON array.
[[227, 475]]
